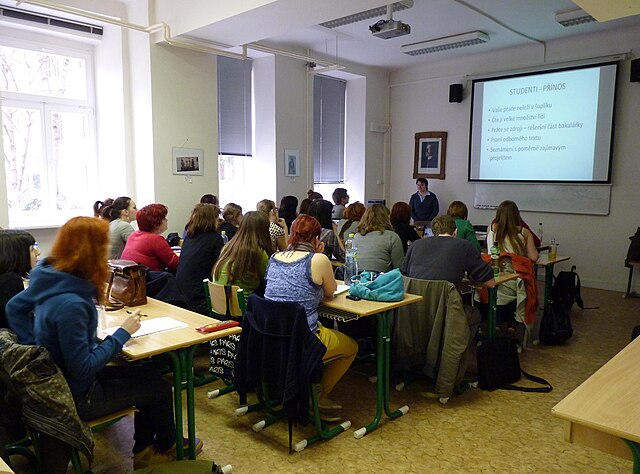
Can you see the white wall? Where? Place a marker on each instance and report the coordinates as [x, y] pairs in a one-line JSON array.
[[419, 102]]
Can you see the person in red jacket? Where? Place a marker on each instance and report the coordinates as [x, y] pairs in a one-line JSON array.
[[147, 246]]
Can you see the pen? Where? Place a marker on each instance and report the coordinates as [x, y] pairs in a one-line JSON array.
[[139, 314]]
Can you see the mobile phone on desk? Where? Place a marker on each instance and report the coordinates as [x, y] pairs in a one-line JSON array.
[[353, 298], [219, 326]]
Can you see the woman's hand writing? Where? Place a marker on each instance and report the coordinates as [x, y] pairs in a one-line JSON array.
[[132, 323]]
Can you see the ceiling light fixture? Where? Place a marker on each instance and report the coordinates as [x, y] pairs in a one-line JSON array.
[[574, 18], [443, 44], [367, 14]]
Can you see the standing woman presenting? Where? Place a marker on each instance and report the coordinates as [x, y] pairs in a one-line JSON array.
[[65, 289], [121, 213]]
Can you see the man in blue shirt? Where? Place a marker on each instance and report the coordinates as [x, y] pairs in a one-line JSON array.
[[424, 204]]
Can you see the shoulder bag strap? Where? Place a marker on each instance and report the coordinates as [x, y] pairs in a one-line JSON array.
[[533, 378], [344, 227]]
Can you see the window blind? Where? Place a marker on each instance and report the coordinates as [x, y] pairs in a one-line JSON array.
[[328, 129], [234, 106]]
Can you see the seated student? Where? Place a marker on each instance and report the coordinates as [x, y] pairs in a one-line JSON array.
[[400, 220], [232, 215], [18, 255], [513, 208], [313, 195], [277, 227], [304, 206], [513, 238], [302, 274], [443, 257], [243, 261], [100, 209], [333, 248], [379, 247], [350, 220], [64, 290], [288, 209], [209, 199], [120, 214], [199, 253], [340, 199], [147, 246], [458, 210]]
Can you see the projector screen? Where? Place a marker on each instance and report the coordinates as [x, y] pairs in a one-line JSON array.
[[544, 127]]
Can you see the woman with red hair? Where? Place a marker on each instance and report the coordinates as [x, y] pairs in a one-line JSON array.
[[64, 290], [303, 274], [146, 246]]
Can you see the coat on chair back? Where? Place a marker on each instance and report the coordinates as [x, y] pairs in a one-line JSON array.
[[278, 348]]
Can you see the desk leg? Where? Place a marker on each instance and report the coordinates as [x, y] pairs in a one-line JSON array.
[[187, 356], [635, 451], [176, 363], [388, 318], [548, 283], [492, 312], [383, 357]]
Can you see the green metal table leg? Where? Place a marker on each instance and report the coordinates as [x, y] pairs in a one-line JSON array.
[[548, 283], [493, 309], [187, 355], [388, 319], [635, 451], [177, 401]]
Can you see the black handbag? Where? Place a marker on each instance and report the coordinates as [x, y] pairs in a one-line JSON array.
[[499, 367]]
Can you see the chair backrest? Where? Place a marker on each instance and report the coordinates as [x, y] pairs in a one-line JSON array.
[[480, 228], [224, 300]]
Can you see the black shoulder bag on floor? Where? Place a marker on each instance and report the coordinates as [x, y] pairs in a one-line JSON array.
[[499, 367]]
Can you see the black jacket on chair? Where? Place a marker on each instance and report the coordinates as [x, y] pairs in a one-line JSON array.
[[278, 348]]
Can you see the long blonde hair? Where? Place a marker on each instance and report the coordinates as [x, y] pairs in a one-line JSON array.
[[375, 218]]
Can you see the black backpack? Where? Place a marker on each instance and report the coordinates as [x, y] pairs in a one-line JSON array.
[[555, 327], [633, 254], [566, 288]]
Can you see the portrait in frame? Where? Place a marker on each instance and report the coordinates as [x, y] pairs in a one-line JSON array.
[[291, 162], [429, 155]]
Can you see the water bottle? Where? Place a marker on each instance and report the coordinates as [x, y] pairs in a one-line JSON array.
[[540, 231], [225, 239], [351, 260], [553, 250], [495, 259]]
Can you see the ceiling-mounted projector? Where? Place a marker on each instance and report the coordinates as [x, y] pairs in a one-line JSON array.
[[387, 29]]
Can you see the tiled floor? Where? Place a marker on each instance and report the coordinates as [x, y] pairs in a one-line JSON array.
[[478, 431]]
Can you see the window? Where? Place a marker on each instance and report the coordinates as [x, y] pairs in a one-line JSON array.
[[328, 129], [48, 131]]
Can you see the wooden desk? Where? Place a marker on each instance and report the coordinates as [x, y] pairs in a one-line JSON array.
[[342, 309], [4, 468], [603, 412], [545, 261], [179, 344], [493, 301]]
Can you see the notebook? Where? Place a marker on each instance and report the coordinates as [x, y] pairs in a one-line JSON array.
[[150, 326], [341, 289]]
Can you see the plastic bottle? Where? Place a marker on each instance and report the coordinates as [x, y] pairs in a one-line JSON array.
[[540, 231], [495, 259], [225, 239], [553, 250], [351, 260]]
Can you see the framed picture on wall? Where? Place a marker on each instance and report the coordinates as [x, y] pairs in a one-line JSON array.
[[188, 161], [430, 154], [291, 162]]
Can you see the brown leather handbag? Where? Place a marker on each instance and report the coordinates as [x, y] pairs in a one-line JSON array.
[[127, 283]]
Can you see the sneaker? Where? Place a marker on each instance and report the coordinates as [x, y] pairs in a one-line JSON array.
[[185, 445], [325, 403], [149, 457]]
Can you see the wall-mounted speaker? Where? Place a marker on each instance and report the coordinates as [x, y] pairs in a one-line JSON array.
[[635, 70], [455, 93]]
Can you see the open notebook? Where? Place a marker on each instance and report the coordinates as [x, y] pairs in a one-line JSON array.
[[341, 289], [150, 326]]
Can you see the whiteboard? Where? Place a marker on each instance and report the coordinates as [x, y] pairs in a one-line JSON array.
[[561, 198]]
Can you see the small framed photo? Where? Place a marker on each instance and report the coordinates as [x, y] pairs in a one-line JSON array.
[[430, 154], [292, 162], [188, 161]]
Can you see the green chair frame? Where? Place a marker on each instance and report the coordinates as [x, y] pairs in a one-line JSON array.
[[224, 302]]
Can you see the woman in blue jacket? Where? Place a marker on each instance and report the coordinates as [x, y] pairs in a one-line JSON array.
[[63, 291]]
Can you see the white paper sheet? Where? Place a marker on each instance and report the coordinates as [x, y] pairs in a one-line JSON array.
[[341, 289], [150, 326]]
